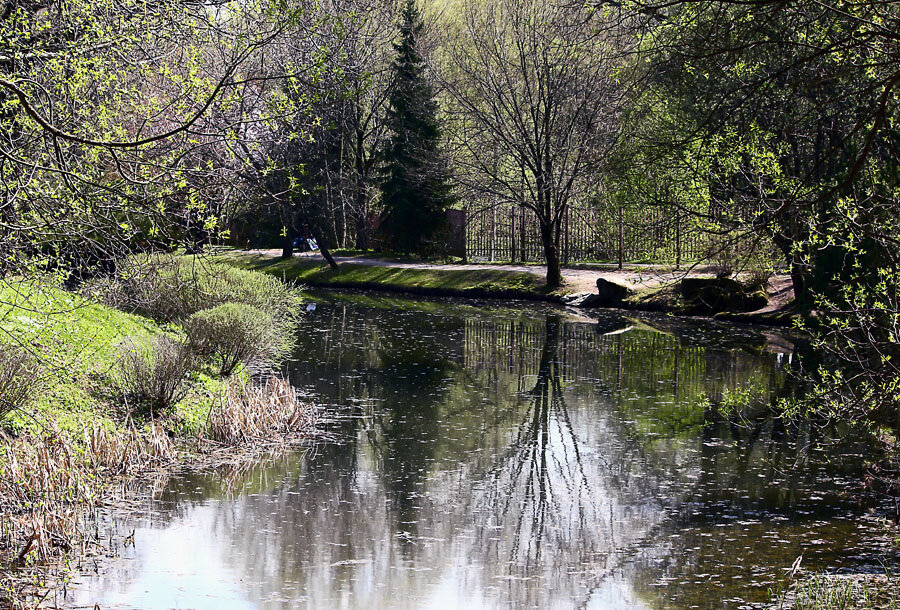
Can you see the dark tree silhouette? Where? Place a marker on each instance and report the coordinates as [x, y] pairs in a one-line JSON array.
[[415, 183]]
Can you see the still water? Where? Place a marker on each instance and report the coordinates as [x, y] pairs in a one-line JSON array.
[[486, 456]]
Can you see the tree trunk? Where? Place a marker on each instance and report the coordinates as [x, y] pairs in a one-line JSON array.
[[324, 249], [362, 207], [362, 232], [325, 253], [287, 245], [621, 238], [551, 254]]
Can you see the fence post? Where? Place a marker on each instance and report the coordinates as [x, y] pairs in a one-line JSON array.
[[678, 241], [621, 237], [512, 234]]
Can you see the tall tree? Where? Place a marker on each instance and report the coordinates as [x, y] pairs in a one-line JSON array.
[[288, 161], [536, 103], [368, 28], [415, 185]]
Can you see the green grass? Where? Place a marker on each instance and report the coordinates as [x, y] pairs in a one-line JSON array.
[[75, 341], [481, 282], [855, 592]]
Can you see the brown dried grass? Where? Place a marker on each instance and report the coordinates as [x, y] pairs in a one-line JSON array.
[[259, 412], [49, 482], [46, 479]]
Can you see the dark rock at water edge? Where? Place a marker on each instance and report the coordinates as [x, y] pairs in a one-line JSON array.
[[611, 294], [703, 296]]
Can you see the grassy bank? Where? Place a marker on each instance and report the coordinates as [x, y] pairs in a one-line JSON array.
[[468, 283], [488, 283], [76, 341], [81, 435]]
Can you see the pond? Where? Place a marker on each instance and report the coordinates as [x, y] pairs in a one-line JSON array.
[[510, 456]]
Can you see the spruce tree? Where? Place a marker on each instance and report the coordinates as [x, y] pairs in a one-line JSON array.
[[415, 184]]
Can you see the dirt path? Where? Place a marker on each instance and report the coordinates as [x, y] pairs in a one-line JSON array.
[[576, 280]]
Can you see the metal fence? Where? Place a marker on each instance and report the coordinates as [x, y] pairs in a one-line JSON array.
[[512, 233]]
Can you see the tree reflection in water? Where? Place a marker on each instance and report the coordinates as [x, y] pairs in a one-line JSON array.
[[508, 458], [526, 487]]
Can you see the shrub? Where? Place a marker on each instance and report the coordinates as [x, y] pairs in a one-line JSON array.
[[153, 372], [171, 289], [19, 379], [236, 333]]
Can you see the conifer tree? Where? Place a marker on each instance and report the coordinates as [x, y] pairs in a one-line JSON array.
[[415, 183]]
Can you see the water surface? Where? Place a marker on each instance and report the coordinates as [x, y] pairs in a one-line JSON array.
[[510, 457]]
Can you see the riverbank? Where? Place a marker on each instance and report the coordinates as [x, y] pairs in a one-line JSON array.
[[427, 391], [392, 276], [655, 289], [80, 443]]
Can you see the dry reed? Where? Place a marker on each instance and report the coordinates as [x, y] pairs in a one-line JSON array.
[[258, 412], [49, 481], [45, 479]]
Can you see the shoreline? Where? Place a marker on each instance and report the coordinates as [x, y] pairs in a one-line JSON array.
[[80, 444], [28, 585], [492, 282]]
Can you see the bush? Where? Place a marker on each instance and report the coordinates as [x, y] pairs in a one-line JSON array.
[[236, 333], [19, 379], [153, 372], [171, 289]]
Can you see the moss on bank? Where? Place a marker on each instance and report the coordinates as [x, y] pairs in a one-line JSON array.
[[468, 283], [665, 298]]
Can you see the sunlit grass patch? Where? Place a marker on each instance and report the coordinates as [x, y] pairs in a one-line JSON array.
[[462, 282]]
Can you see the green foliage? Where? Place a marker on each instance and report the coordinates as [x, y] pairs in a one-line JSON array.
[[76, 343], [171, 289], [834, 592], [122, 112], [153, 372], [415, 186], [236, 334], [780, 120], [19, 379], [755, 115]]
